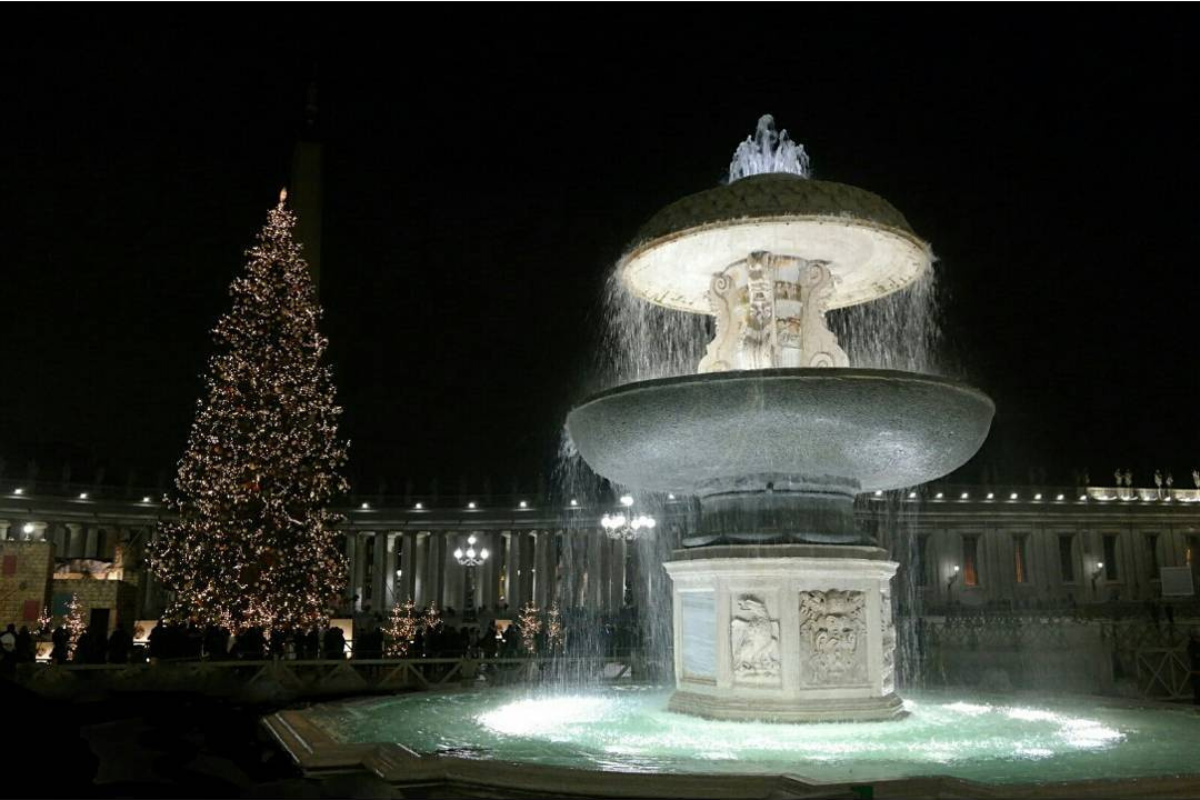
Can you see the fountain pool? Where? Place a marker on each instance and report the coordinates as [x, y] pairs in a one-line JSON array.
[[987, 739]]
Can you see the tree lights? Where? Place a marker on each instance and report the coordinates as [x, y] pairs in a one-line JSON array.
[[254, 544]]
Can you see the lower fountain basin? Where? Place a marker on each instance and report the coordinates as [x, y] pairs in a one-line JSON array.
[[834, 431], [531, 741]]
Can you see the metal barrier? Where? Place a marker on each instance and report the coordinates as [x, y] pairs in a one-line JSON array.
[[291, 678]]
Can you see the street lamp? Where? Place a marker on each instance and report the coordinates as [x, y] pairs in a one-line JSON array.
[[470, 558], [953, 578]]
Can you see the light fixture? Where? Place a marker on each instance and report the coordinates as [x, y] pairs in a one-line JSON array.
[[953, 577], [523, 504], [991, 496], [879, 493], [418, 506], [627, 500], [470, 558], [939, 496], [19, 490], [670, 496], [27, 527], [471, 505], [1060, 497], [1037, 496], [912, 495], [365, 505], [83, 495], [965, 496], [1012, 496], [1083, 497], [574, 503], [620, 527]]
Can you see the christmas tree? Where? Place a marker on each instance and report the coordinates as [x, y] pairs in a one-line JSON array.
[[530, 624], [254, 544], [402, 629], [73, 621]]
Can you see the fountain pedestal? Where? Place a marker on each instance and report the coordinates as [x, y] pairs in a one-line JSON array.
[[784, 633]]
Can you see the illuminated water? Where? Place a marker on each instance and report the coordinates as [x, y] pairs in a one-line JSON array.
[[628, 729]]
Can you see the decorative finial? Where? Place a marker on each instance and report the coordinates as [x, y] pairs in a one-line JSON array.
[[282, 195]]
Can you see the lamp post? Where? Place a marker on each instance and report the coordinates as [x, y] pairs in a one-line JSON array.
[[470, 558], [1096, 573], [952, 579], [627, 528]]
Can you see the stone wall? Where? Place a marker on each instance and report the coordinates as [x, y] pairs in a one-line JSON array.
[[25, 569], [119, 597]]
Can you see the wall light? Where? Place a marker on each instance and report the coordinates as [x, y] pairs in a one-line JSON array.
[[965, 496], [19, 490], [27, 527], [912, 495], [1060, 497], [938, 496], [366, 505], [83, 495], [523, 504], [1037, 496], [991, 495], [471, 505], [574, 503], [418, 506], [626, 500], [1012, 496]]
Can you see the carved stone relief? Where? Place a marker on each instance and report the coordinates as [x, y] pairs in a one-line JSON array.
[[754, 639], [770, 312], [833, 638], [889, 641]]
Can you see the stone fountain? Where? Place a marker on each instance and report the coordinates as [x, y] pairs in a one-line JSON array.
[[782, 608]]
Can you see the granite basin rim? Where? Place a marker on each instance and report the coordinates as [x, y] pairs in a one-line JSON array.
[[699, 434]]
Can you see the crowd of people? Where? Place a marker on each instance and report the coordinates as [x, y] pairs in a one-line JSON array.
[[484, 634]]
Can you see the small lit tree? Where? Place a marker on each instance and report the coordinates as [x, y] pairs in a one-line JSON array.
[[402, 628], [432, 619], [254, 544], [554, 630], [74, 622], [530, 622]]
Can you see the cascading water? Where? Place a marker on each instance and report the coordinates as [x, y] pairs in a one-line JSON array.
[[645, 341]]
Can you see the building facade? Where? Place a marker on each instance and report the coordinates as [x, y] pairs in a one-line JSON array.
[[972, 547]]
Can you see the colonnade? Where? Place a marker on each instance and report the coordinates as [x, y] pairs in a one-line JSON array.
[[523, 566]]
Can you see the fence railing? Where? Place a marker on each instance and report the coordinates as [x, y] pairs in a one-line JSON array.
[[273, 679]]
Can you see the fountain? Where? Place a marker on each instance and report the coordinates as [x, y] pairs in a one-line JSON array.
[[781, 607], [782, 610]]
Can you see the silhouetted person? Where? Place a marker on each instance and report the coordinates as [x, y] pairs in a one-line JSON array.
[[62, 641], [119, 645], [8, 651], [155, 641], [335, 643], [83, 648], [310, 644], [26, 649]]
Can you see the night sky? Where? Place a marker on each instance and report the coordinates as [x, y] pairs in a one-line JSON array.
[[479, 184]]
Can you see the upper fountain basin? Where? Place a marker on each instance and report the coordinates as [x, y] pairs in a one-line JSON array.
[[855, 428], [868, 244]]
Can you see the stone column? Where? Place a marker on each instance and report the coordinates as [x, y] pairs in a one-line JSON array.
[[74, 541], [350, 555], [360, 568], [595, 569], [512, 583], [527, 566], [408, 565], [379, 581], [420, 582], [540, 595], [495, 564], [4, 526], [616, 574], [91, 541], [437, 567], [391, 586]]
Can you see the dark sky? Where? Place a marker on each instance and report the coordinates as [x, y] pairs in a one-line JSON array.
[[480, 182]]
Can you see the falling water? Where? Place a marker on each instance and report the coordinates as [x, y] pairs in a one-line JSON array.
[[642, 341], [768, 151]]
